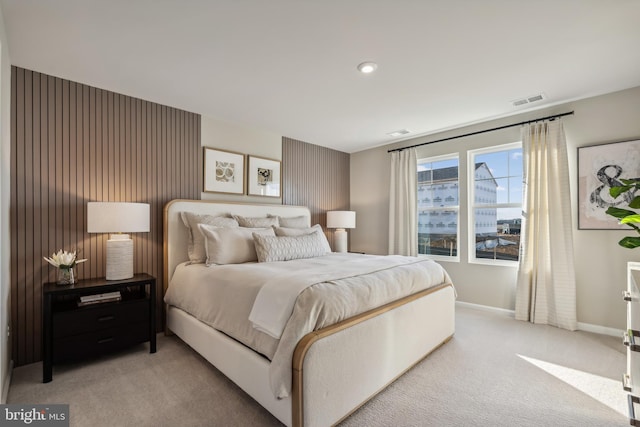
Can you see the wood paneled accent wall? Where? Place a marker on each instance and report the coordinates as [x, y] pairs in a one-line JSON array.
[[317, 177], [71, 144]]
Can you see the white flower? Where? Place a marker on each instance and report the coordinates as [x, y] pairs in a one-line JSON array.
[[63, 259]]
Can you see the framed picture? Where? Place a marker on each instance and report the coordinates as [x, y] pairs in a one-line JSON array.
[[223, 171], [599, 168], [264, 177]]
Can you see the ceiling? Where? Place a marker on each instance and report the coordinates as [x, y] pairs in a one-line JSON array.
[[289, 66]]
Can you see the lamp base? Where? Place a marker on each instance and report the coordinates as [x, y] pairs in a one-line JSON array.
[[119, 257], [340, 240]]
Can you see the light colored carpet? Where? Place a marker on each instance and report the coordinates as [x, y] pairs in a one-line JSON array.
[[495, 372]]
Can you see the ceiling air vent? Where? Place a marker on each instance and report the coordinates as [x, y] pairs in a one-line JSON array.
[[399, 132], [528, 100]]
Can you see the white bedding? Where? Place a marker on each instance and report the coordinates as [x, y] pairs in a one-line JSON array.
[[339, 286], [275, 300]]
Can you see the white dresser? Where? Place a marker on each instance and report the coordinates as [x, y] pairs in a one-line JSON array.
[[631, 379]]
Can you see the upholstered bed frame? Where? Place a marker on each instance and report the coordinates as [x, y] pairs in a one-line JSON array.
[[335, 369]]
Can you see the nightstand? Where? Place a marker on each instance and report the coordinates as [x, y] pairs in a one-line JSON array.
[[72, 331]]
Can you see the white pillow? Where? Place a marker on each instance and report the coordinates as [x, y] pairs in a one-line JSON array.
[[258, 222], [231, 245], [293, 221], [196, 249], [286, 248], [284, 231]]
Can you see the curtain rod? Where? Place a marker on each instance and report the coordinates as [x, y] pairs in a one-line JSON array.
[[485, 131]]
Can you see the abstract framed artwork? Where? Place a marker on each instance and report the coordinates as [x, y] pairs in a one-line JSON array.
[[599, 168], [263, 177], [223, 171]]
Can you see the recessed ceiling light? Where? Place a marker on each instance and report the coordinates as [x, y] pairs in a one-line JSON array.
[[367, 67], [399, 132]]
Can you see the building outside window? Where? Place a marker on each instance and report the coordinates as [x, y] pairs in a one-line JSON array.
[[495, 203], [438, 205]]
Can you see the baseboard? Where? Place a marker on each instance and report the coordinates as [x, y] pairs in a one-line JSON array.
[[7, 382], [597, 329], [586, 327], [496, 310]]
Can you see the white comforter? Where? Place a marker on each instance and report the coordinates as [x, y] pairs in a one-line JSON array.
[[277, 296], [333, 288]]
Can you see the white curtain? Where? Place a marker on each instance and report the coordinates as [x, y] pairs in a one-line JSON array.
[[403, 228], [546, 289]]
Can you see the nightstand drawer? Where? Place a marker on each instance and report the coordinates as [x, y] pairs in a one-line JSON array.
[[99, 317], [99, 342]]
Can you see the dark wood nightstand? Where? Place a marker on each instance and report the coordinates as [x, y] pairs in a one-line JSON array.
[[73, 332]]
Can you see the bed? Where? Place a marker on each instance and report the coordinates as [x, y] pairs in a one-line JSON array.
[[331, 371]]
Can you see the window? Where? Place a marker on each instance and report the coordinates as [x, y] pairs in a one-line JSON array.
[[495, 203], [438, 207]]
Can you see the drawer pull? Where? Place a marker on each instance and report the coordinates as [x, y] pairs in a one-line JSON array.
[[105, 340], [628, 339], [626, 295], [106, 318], [626, 382]]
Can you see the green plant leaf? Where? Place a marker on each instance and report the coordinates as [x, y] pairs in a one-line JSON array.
[[616, 191], [630, 242], [630, 218], [619, 213], [626, 216]]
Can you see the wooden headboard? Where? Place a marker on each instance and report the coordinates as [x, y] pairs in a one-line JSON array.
[[176, 234]]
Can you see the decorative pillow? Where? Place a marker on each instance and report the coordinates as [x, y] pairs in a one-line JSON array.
[[231, 245], [286, 248], [196, 249], [259, 222], [292, 222], [284, 231]]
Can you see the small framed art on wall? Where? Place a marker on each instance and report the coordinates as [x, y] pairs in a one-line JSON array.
[[263, 177], [223, 171]]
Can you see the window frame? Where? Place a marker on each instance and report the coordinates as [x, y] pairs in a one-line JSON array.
[[472, 205], [431, 159]]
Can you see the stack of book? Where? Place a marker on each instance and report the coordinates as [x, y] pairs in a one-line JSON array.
[[99, 298]]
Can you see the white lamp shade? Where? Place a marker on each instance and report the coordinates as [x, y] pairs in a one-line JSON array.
[[341, 219], [117, 217]]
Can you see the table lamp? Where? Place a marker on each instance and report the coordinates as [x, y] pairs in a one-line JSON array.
[[118, 218], [341, 220]]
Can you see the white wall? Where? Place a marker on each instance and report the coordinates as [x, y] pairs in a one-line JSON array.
[[5, 178], [600, 262], [239, 139]]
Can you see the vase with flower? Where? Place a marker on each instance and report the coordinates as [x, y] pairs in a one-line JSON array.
[[65, 262]]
